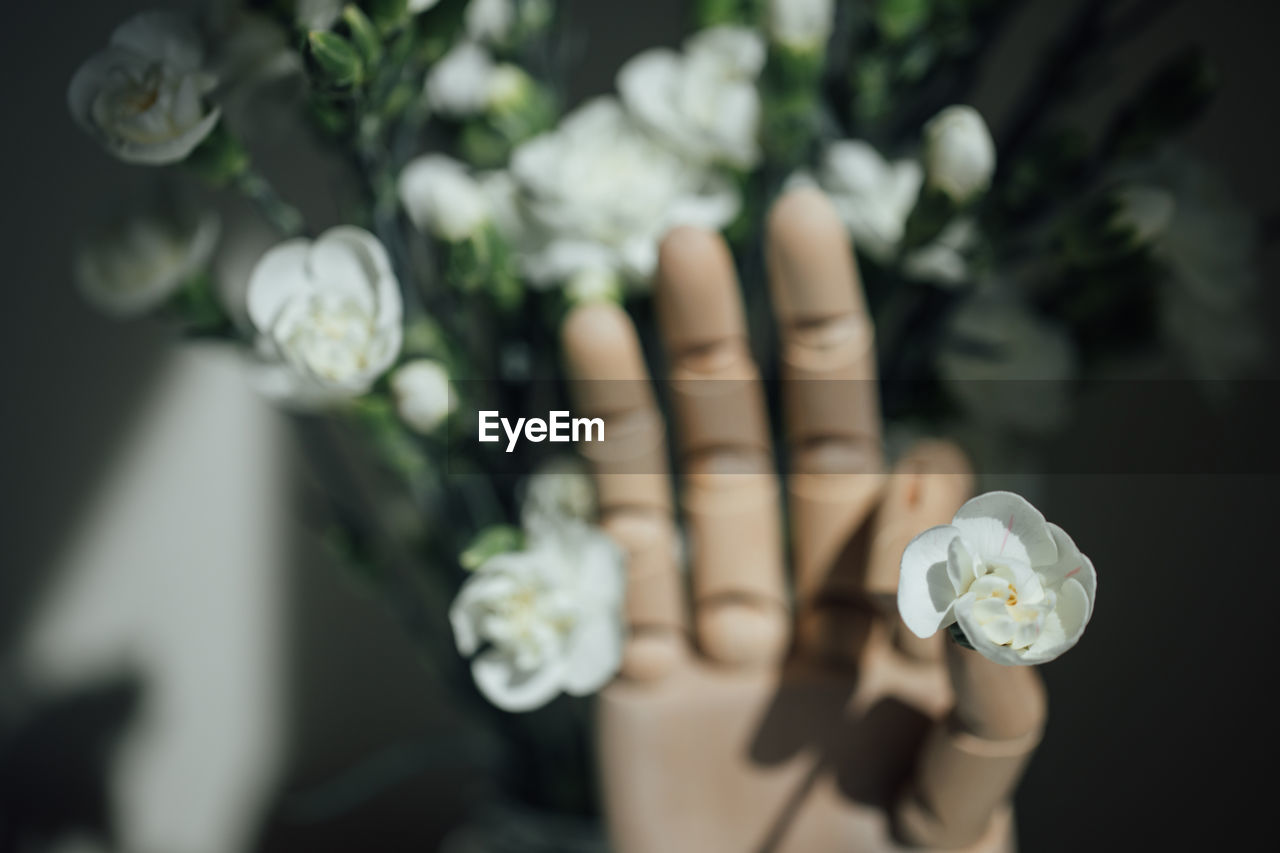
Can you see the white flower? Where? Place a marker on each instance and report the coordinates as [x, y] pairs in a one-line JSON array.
[[1005, 365], [490, 21], [460, 84], [560, 489], [442, 198], [550, 616], [801, 24], [873, 196], [1017, 585], [423, 395], [602, 192], [703, 103], [323, 14], [959, 153], [134, 266], [328, 312], [944, 261], [143, 97]]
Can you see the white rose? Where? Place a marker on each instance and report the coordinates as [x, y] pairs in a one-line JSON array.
[[873, 196], [703, 103], [423, 395], [550, 616], [959, 153], [599, 193], [442, 198], [460, 84], [944, 261], [133, 267], [801, 24], [328, 312], [1018, 587], [561, 488], [143, 97]]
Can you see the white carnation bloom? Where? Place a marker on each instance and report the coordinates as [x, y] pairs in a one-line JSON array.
[[328, 313], [873, 196], [959, 153], [442, 198], [490, 21], [143, 97], [136, 265], [801, 24], [550, 617], [562, 488], [423, 394], [1018, 587], [460, 84], [945, 261], [598, 193], [703, 102]]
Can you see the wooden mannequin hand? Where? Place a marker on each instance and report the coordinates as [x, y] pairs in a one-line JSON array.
[[809, 721]]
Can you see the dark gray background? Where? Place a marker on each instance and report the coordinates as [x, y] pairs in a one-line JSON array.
[[1161, 733]]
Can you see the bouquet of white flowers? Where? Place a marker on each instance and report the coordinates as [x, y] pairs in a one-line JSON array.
[[486, 208]]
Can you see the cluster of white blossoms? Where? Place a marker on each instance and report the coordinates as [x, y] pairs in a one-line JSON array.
[[585, 204], [144, 96], [876, 196], [1015, 584], [547, 619]]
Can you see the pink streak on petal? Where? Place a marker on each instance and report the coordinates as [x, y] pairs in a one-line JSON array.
[[1074, 571], [1007, 530]]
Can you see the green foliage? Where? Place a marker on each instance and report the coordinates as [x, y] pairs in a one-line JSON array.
[[220, 158], [489, 542], [334, 62]]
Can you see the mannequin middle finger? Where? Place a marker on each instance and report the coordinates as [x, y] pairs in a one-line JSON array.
[[832, 415], [730, 492]]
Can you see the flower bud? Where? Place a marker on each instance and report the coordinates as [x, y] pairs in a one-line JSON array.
[[802, 25], [333, 61], [959, 155], [363, 34], [424, 397]]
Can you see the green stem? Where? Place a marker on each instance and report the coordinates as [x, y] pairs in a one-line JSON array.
[[285, 217]]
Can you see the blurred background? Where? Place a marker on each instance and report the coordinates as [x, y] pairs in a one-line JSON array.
[[181, 670]]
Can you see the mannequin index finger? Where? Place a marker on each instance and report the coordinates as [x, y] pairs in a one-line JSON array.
[[609, 380]]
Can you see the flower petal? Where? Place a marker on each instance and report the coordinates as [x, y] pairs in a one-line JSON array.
[[967, 618], [1070, 564], [162, 34], [1065, 625], [279, 276], [514, 690], [594, 657], [959, 565], [925, 591], [1004, 524]]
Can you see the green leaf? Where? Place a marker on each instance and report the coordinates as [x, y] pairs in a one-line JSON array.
[[333, 61], [498, 539], [898, 20], [957, 634], [363, 34], [220, 158]]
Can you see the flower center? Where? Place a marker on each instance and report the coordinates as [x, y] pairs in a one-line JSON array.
[[334, 338]]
